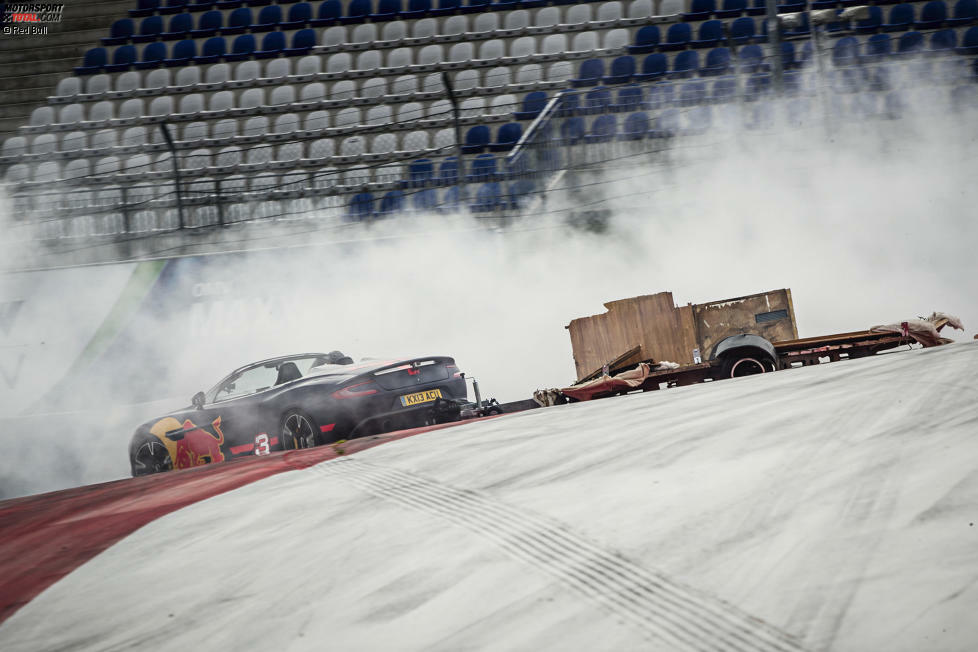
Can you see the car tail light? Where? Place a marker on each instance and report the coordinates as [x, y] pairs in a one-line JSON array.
[[355, 391], [453, 369]]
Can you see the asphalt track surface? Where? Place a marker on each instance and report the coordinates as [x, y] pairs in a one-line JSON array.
[[827, 508]]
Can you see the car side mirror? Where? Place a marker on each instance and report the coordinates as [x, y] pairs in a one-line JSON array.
[[198, 400]]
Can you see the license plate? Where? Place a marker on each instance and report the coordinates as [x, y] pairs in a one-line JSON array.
[[421, 397]]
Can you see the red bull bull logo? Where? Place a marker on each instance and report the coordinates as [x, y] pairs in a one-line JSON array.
[[189, 444]]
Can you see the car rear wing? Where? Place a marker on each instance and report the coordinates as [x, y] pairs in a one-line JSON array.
[[416, 371]]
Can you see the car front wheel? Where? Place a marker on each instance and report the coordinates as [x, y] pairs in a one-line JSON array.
[[150, 456]]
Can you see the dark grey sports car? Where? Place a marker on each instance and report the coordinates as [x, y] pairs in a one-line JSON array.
[[298, 401]]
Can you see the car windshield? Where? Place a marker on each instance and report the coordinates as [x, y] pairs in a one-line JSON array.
[[260, 377]]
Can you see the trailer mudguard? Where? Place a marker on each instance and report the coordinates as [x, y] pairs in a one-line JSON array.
[[744, 340]]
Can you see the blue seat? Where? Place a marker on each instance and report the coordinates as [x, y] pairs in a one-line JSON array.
[[329, 13], [242, 48], [488, 198], [878, 46], [661, 95], [943, 40], [476, 139], [750, 58], [445, 8], [272, 45], [302, 42], [646, 39], [711, 34], [144, 8], [636, 126], [622, 70], [180, 27], [300, 14], [591, 72], [965, 12], [570, 102], [183, 52], [228, 4], [791, 7], [200, 5], [724, 90], [742, 29], [757, 8], [209, 23], [268, 19], [417, 9], [153, 56], [803, 28], [387, 10], [425, 200], [845, 52], [717, 62], [788, 56], [93, 61], [969, 42], [122, 59], [421, 172], [910, 43], [731, 8], [475, 6], [357, 12], [685, 64], [932, 15], [447, 172], [677, 37], [120, 32], [666, 124], [692, 92], [521, 192], [173, 7], [149, 29], [391, 203], [603, 129], [572, 130], [597, 100], [629, 99], [758, 85], [654, 66], [700, 10], [238, 22], [506, 137], [901, 18], [361, 207], [213, 50], [482, 168], [871, 23], [533, 104]]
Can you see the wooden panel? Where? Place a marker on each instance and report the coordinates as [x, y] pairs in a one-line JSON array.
[[720, 319]]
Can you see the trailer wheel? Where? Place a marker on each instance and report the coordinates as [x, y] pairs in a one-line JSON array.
[[744, 365]]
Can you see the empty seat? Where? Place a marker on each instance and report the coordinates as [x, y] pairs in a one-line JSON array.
[[122, 59], [845, 52], [482, 168], [183, 53], [213, 49], [149, 29], [878, 46], [965, 11], [678, 37], [710, 34], [590, 73], [646, 39], [243, 48], [532, 105], [871, 23], [742, 29], [943, 40], [900, 19], [268, 19], [238, 22], [910, 43], [622, 70], [507, 136], [356, 12], [932, 15], [635, 127], [272, 45], [732, 8], [700, 10], [120, 32], [180, 27], [718, 61], [329, 12], [685, 64], [208, 24], [476, 139], [654, 66], [969, 42]]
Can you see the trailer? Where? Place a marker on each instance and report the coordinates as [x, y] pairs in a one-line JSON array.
[[648, 343]]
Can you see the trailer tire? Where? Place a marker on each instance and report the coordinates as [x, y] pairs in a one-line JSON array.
[[748, 363]]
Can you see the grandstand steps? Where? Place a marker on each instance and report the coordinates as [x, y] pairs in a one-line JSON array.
[[30, 67]]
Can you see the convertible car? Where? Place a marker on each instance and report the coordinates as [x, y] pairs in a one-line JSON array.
[[298, 401]]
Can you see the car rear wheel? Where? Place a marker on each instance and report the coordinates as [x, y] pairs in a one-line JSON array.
[[150, 456], [299, 430]]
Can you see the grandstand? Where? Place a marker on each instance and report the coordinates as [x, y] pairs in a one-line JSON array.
[[337, 110]]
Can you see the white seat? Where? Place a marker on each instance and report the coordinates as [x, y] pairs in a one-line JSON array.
[[226, 128], [259, 155], [278, 68], [369, 60], [496, 77], [202, 188], [333, 36], [454, 26], [560, 71], [77, 169], [101, 111], [194, 131], [433, 84], [524, 46], [344, 89], [47, 172], [404, 85], [339, 62], [262, 183], [609, 11], [17, 173], [400, 57], [529, 74], [492, 49], [415, 141], [127, 82], [352, 146], [251, 98], [466, 79], [163, 163], [227, 157], [286, 123], [670, 7], [320, 148], [430, 54], [365, 33], [616, 38], [374, 88], [44, 144], [438, 110], [547, 17], [74, 141], [383, 144], [472, 107], [217, 73], [98, 84], [42, 116], [394, 30], [137, 165], [247, 71], [410, 111], [288, 153], [68, 87], [485, 22], [578, 14], [255, 126], [132, 109], [356, 177], [192, 104], [309, 65], [503, 104], [347, 117], [379, 115], [104, 139], [424, 28], [282, 95], [584, 41], [157, 79], [389, 173], [314, 92], [640, 9], [324, 178], [187, 76], [316, 120], [554, 44], [70, 114], [444, 139], [294, 181], [161, 106], [106, 165], [517, 19], [461, 52]]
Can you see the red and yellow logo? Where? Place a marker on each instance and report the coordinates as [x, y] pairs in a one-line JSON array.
[[189, 444]]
